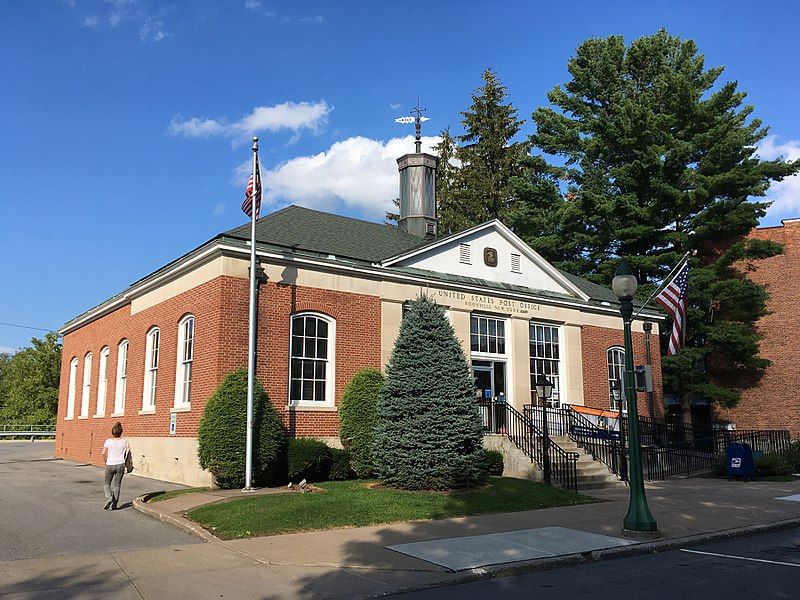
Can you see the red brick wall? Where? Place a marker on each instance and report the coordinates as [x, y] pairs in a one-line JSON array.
[[774, 403], [221, 320], [595, 342]]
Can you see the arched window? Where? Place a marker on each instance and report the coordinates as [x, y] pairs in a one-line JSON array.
[[122, 378], [87, 385], [616, 372], [311, 362], [151, 370], [183, 375], [102, 383], [73, 375]]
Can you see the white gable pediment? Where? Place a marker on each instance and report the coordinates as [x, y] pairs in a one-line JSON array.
[[471, 253]]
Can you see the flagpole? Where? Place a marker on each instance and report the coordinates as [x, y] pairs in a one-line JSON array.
[[665, 280], [251, 347]]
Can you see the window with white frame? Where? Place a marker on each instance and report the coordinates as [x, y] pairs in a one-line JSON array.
[[87, 385], [183, 376], [487, 335], [545, 357], [311, 368], [151, 371], [73, 375], [122, 378], [616, 372], [102, 382]]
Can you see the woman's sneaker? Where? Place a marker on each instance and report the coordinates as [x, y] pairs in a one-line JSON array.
[[108, 505]]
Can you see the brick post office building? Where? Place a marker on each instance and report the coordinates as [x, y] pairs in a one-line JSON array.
[[331, 303]]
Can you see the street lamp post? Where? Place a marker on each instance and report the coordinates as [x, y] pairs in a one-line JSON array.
[[638, 517], [616, 392], [544, 389]]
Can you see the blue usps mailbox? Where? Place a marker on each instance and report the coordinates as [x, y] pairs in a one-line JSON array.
[[740, 461]]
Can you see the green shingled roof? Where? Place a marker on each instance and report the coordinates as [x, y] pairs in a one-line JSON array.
[[309, 230]]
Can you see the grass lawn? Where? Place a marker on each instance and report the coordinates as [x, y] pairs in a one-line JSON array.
[[353, 504], [173, 493]]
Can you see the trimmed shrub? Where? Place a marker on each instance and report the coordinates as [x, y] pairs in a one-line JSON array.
[[494, 462], [792, 456], [223, 429], [429, 430], [357, 418], [768, 465], [340, 465], [308, 459]]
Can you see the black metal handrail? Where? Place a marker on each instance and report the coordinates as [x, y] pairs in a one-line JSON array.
[[502, 418]]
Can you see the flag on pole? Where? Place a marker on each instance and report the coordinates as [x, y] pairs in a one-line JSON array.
[[252, 193], [673, 299]]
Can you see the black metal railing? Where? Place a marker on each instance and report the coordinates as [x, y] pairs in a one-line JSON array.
[[660, 463], [760, 440], [502, 418]]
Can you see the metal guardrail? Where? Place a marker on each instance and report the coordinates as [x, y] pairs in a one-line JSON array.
[[502, 418], [27, 431]]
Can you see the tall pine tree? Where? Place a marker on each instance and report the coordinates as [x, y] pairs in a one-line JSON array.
[[429, 432], [659, 159]]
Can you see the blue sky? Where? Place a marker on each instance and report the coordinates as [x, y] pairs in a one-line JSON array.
[[125, 123]]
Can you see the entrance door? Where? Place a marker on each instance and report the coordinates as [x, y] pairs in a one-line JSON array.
[[490, 386]]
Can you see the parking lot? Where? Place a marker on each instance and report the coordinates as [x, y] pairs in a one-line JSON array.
[[54, 507]]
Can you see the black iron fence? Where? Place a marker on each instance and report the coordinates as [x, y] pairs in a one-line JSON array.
[[504, 419]]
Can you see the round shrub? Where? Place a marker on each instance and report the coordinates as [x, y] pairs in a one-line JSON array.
[[308, 459], [357, 418], [340, 465], [223, 429], [769, 465], [494, 462]]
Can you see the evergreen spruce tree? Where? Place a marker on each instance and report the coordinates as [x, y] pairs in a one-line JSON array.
[[658, 160], [448, 209], [429, 429]]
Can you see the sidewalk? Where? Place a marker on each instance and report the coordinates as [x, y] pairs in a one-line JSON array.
[[354, 563]]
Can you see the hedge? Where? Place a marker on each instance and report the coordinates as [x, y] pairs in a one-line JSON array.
[[357, 418], [308, 459]]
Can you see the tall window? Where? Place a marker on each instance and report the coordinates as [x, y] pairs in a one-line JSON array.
[[545, 358], [183, 376], [616, 372], [87, 385], [73, 375], [102, 383], [151, 371], [487, 335], [122, 378], [311, 370]]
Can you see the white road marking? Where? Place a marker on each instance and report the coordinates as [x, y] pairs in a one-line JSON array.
[[761, 560]]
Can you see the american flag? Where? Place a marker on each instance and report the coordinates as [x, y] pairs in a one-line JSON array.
[[673, 298], [248, 193]]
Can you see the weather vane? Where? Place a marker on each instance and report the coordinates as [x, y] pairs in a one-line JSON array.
[[416, 118]]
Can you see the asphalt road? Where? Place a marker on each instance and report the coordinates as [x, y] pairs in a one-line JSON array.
[[54, 507], [759, 567]]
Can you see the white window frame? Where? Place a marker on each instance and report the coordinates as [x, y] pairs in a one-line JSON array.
[[330, 372], [619, 373], [102, 383], [150, 388], [121, 387], [559, 397], [71, 390], [184, 363], [86, 386], [506, 336]]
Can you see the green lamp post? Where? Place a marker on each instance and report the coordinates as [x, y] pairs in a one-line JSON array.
[[638, 518]]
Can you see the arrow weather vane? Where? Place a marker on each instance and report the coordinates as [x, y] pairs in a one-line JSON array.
[[416, 118]]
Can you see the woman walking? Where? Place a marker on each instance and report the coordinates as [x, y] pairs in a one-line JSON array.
[[114, 451]]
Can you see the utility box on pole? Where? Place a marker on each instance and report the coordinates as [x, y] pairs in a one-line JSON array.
[[643, 374]]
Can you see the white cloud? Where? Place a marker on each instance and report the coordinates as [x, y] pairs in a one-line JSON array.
[[785, 195], [357, 173], [256, 6], [8, 350], [395, 105], [219, 209], [292, 116], [90, 21], [152, 30]]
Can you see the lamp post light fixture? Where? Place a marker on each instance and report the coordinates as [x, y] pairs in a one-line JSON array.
[[616, 393], [638, 517], [544, 390]]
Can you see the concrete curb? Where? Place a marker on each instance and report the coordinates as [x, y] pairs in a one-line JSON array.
[[568, 560], [141, 505]]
